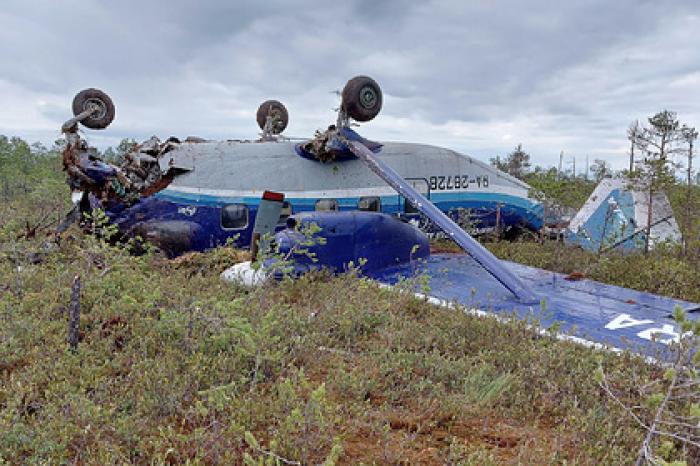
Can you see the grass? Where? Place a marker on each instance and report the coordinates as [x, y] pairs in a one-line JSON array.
[[176, 367], [663, 271]]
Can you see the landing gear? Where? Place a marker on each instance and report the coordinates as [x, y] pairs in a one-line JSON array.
[[272, 117], [362, 98], [93, 108]]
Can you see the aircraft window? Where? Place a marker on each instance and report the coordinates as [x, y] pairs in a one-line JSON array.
[[234, 216], [421, 185], [408, 208], [327, 204], [285, 213], [370, 203]]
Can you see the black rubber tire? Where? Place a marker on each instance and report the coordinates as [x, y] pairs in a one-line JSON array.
[[362, 98], [104, 117], [280, 117]]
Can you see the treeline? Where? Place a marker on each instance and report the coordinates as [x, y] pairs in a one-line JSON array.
[[661, 157], [24, 167]]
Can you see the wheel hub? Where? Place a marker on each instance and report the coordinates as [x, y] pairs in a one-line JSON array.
[[277, 121], [368, 97], [98, 108]]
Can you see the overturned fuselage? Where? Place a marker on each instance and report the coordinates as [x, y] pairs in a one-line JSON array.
[[196, 194]]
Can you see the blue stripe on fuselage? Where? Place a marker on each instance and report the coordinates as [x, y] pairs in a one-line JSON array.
[[172, 205], [390, 203]]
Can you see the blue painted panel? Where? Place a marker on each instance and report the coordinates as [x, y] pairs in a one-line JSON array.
[[205, 210], [379, 239], [153, 209], [515, 210], [587, 309], [611, 222]]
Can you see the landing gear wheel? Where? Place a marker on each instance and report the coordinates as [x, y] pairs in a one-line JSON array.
[[362, 98], [278, 112], [94, 98]]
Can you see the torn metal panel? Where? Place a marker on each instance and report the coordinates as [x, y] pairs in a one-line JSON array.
[[139, 174], [615, 216], [182, 160], [329, 145]]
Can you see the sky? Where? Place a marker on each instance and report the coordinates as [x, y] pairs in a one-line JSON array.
[[475, 76]]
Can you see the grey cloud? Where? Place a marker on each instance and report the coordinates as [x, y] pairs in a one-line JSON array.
[[551, 74]]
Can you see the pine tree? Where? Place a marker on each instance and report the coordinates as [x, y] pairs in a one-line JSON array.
[[654, 171], [517, 163]]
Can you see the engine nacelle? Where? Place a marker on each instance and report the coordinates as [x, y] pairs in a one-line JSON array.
[[371, 240], [173, 237]]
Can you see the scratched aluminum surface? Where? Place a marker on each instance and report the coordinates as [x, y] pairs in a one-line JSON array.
[[596, 312], [231, 167]]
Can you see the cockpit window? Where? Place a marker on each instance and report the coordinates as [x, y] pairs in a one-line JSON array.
[[285, 213], [370, 204], [234, 216], [326, 205]]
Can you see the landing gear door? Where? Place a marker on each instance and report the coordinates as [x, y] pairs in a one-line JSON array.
[[419, 184]]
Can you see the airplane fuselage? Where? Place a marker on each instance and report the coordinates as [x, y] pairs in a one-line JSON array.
[[216, 194]]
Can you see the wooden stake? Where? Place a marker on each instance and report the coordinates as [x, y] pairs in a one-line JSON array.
[[74, 314]]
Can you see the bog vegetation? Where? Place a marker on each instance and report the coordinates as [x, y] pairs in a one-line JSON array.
[[173, 366]]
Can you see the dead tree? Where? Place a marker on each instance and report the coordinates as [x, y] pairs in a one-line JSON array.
[[632, 133], [670, 412], [74, 314], [690, 135]]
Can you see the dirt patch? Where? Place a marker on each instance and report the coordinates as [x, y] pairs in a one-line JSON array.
[[444, 246]]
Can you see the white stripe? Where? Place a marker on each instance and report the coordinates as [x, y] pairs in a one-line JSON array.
[[331, 193]]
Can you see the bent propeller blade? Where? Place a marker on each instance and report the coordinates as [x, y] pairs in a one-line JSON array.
[[266, 219], [480, 254]]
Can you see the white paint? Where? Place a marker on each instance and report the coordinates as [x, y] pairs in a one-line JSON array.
[[625, 321], [655, 332], [600, 192], [651, 334], [244, 274], [188, 210], [334, 193], [666, 230]]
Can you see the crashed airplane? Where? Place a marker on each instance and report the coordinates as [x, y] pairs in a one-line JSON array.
[[195, 194], [389, 251]]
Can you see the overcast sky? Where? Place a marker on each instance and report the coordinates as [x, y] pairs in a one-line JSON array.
[[475, 76]]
